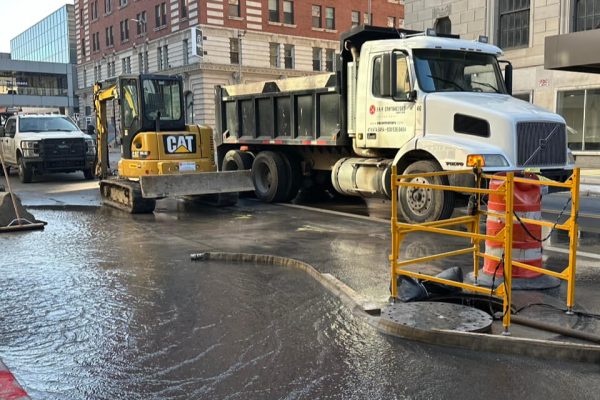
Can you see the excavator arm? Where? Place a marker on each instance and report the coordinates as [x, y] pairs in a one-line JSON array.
[[101, 97]]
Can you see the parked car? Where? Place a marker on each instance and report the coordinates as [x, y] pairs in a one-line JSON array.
[[40, 144]]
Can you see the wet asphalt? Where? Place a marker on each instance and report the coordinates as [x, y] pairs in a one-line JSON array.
[[105, 305]]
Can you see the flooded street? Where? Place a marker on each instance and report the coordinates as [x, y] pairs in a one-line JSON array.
[[103, 305]]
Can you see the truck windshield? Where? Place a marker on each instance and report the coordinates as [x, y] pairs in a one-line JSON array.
[[162, 96], [46, 124], [457, 71]]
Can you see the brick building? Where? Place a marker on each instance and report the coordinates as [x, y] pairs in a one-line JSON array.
[[212, 42], [520, 28]]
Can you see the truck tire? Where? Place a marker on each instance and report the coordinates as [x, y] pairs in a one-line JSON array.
[[270, 177], [417, 205], [2, 170], [294, 170], [25, 171], [236, 160], [88, 174]]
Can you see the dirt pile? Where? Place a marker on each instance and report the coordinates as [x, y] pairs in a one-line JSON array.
[[7, 212]]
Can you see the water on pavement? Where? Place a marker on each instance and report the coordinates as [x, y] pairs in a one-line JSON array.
[[103, 305]]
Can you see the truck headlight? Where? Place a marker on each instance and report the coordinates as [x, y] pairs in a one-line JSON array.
[[90, 147], [486, 160], [31, 148]]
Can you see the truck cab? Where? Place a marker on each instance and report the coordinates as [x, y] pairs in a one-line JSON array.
[[40, 144]]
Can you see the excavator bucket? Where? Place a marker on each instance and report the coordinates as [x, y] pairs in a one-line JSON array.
[[158, 186]]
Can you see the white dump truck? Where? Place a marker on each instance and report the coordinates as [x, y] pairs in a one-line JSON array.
[[413, 99]]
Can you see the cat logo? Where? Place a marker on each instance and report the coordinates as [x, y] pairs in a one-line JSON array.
[[179, 144]]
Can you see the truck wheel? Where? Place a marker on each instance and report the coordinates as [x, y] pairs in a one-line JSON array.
[[270, 177], [88, 174], [2, 170], [236, 160], [295, 176], [418, 205], [25, 172]]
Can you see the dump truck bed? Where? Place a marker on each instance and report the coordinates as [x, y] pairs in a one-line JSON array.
[[296, 111]]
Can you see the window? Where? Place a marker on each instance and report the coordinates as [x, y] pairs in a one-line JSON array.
[[586, 15], [316, 17], [146, 58], [513, 23], [94, 10], [288, 12], [130, 109], [96, 41], [317, 51], [122, 3], [124, 30], [160, 14], [159, 61], [141, 24], [329, 60], [166, 57], [109, 37], [391, 22], [126, 65], [376, 85], [83, 47], [186, 52], [355, 18], [579, 108], [274, 55], [234, 50], [288, 56], [162, 96], [234, 8], [330, 18], [443, 26], [184, 8], [274, 10], [107, 6], [84, 77]]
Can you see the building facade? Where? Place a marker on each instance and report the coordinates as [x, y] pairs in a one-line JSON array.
[[37, 86], [50, 40], [215, 42], [520, 28]]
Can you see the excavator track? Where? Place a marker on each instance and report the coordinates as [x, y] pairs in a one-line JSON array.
[[125, 195]]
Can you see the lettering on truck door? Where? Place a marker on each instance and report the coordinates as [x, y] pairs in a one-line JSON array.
[[390, 118]]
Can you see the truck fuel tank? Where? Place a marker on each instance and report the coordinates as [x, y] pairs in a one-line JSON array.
[[364, 177]]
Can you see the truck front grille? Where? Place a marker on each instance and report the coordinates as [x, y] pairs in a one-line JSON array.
[[541, 144], [61, 148]]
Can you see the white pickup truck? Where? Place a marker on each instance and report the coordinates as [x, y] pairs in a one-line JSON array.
[[39, 144]]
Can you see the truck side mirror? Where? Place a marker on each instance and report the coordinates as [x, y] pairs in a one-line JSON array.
[[508, 77], [385, 75], [412, 95]]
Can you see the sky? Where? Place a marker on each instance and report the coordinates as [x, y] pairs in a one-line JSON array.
[[18, 15]]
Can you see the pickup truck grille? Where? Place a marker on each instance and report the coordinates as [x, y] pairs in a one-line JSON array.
[[541, 144], [62, 148]]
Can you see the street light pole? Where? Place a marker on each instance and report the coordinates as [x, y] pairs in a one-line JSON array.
[[241, 34]]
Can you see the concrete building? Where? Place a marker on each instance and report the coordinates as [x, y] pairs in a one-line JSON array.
[[520, 28], [39, 74], [212, 42]]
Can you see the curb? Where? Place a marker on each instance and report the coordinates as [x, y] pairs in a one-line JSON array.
[[360, 305], [10, 389]]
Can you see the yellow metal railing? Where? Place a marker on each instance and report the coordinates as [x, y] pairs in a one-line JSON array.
[[472, 223]]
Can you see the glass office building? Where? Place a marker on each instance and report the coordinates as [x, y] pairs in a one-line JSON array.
[[50, 40]]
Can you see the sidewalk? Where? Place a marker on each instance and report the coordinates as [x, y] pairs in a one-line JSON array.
[[590, 182]]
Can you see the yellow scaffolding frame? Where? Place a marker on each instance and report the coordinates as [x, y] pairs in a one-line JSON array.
[[472, 222]]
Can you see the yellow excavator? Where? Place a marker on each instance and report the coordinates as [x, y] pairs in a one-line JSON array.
[[160, 155]]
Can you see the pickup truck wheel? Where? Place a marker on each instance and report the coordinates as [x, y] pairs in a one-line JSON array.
[[236, 160], [88, 174], [270, 177], [25, 172], [418, 205]]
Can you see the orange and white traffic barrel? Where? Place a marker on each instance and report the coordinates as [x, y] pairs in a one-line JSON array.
[[526, 249]]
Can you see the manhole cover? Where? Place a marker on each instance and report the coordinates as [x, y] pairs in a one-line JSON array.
[[435, 315]]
